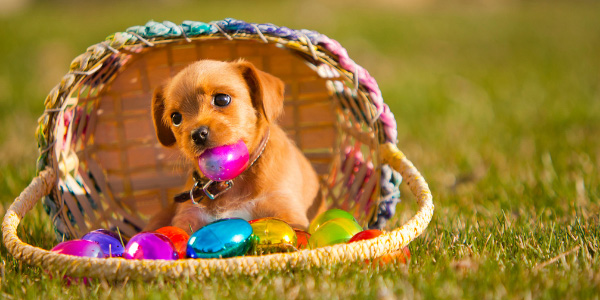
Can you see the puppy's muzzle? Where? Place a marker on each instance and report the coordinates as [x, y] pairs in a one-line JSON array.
[[200, 135]]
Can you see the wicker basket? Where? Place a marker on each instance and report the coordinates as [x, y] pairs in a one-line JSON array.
[[101, 166]]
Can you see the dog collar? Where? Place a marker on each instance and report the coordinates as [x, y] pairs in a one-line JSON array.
[[204, 187]]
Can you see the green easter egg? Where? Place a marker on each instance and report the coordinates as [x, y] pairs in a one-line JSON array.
[[328, 215], [335, 231]]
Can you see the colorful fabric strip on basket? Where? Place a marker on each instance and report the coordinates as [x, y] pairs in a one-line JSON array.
[[232, 26], [102, 61], [390, 196]]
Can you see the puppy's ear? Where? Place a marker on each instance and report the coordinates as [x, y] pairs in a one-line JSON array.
[[266, 90], [163, 131]]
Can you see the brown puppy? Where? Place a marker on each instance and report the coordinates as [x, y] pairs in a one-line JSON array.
[[212, 103]]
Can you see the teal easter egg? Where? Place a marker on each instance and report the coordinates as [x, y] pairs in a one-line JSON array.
[[335, 231], [222, 238], [328, 215]]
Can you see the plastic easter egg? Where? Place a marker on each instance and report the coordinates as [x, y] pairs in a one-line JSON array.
[[268, 231], [272, 235], [328, 215], [365, 235], [150, 245], [401, 256], [224, 162], [108, 241], [302, 239], [79, 248], [269, 249], [336, 231], [178, 237], [222, 238]]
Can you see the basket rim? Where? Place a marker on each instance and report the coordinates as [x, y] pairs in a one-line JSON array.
[[96, 69], [116, 268], [312, 44], [88, 65]]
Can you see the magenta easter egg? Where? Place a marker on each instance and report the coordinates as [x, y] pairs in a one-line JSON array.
[[150, 245], [224, 162], [79, 248], [108, 241]]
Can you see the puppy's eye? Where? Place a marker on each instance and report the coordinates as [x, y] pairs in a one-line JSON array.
[[222, 100], [176, 118]]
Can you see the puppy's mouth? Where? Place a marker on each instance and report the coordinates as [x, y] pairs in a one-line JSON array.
[[199, 150], [224, 162], [236, 149]]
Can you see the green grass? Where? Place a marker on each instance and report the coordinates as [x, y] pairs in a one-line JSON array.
[[497, 105]]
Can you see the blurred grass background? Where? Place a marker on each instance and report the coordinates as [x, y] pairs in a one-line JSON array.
[[497, 103]]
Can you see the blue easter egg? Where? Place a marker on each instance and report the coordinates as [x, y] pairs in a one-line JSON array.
[[222, 238], [108, 241]]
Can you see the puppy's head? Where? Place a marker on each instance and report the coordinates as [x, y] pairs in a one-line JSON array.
[[212, 103]]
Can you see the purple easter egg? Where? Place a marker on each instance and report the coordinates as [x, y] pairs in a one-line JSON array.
[[150, 245], [108, 241], [224, 162], [79, 248]]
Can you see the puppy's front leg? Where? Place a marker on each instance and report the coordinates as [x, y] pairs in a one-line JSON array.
[[161, 219], [296, 220], [279, 207], [190, 216]]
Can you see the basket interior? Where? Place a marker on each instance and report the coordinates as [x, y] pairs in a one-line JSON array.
[[114, 173]]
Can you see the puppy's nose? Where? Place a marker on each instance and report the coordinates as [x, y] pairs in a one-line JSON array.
[[200, 135]]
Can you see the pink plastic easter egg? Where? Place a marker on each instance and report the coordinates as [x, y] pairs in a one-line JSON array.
[[224, 162], [79, 248], [150, 245]]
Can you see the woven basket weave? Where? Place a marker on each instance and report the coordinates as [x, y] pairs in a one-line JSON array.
[[101, 166]]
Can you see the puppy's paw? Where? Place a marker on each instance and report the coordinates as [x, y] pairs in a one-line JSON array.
[[188, 224], [192, 218], [163, 218], [294, 219]]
